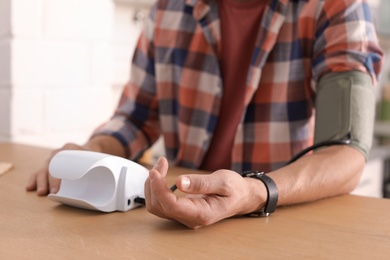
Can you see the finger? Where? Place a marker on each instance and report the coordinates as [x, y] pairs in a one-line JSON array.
[[147, 193], [54, 184], [161, 166], [42, 183], [32, 184], [205, 184], [158, 172], [157, 189]]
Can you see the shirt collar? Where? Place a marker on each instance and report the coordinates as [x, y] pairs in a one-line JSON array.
[[202, 7]]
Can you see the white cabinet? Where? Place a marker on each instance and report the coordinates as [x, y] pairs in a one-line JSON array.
[[371, 182]]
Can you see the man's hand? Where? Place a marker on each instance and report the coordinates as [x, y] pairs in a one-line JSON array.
[[211, 198], [42, 181]]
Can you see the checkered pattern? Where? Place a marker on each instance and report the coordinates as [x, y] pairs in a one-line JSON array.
[[176, 87]]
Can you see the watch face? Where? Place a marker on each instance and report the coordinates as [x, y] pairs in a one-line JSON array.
[[251, 173]]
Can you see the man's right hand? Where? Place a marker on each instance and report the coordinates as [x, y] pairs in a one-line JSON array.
[[42, 181]]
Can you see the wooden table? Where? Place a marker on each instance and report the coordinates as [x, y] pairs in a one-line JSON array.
[[32, 227]]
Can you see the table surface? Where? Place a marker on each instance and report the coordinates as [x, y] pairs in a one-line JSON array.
[[345, 227]]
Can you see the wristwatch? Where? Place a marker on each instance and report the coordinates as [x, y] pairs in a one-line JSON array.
[[272, 193]]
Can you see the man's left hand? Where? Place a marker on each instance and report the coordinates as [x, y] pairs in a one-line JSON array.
[[210, 198]]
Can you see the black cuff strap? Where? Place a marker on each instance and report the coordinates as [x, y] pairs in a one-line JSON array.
[[272, 193]]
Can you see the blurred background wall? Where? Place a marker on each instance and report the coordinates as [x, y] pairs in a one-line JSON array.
[[63, 64]]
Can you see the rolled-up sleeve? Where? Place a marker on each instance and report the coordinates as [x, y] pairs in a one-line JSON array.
[[345, 40], [135, 122]]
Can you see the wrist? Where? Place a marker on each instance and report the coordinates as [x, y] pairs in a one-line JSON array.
[[257, 195], [94, 145], [105, 144], [272, 193]]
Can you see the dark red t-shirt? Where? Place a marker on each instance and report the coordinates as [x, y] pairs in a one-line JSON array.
[[240, 22]]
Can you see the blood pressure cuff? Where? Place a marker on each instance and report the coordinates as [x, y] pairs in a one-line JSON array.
[[345, 107]]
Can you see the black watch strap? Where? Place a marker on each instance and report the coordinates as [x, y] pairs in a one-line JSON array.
[[272, 193]]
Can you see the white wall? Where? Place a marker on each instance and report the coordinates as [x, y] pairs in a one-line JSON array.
[[62, 67]]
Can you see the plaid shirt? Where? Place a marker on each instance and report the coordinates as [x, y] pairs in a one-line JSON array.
[[175, 87]]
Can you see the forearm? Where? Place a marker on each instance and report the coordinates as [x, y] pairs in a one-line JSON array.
[[331, 171], [106, 144]]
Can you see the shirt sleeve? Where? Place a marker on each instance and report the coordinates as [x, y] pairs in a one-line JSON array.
[[135, 122], [345, 40]]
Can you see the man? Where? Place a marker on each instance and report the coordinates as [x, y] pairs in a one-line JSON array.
[[236, 86]]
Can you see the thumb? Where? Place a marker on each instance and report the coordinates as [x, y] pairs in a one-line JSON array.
[[161, 166], [201, 184]]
